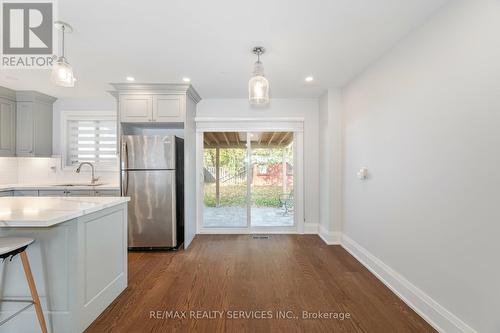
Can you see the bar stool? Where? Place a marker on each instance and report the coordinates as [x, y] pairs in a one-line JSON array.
[[9, 247]]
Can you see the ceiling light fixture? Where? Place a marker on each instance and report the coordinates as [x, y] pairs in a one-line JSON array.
[[309, 79], [258, 86], [62, 72], [186, 79], [130, 78]]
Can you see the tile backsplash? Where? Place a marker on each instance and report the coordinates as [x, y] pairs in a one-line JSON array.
[[8, 170], [39, 170]]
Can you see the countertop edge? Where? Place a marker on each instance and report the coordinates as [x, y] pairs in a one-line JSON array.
[[19, 187], [50, 222]]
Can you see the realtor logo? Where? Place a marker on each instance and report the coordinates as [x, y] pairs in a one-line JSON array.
[[27, 34]]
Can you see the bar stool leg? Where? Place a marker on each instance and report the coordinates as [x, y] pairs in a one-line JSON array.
[[34, 293]]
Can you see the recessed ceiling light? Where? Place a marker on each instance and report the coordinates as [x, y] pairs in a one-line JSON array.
[[186, 79], [309, 79], [130, 78]]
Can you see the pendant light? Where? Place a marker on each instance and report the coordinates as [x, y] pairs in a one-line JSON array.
[[62, 72], [258, 86]]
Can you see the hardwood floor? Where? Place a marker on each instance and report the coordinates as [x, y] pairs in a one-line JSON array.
[[229, 273]]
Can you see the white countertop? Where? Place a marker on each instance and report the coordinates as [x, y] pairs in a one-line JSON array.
[[49, 211], [58, 186]]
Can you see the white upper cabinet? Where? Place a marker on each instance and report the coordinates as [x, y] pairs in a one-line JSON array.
[[153, 103], [168, 108], [34, 124], [7, 127], [25, 123], [25, 129], [151, 108], [136, 108]]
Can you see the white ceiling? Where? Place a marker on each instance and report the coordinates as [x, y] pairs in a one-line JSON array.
[[210, 42]]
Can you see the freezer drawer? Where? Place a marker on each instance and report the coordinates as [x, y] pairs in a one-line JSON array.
[[151, 209], [140, 152]]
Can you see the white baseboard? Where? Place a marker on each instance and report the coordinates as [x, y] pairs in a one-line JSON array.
[[329, 237], [431, 311], [311, 228]]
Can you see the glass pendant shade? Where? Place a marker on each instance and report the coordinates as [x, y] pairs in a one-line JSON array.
[[258, 86], [62, 73]]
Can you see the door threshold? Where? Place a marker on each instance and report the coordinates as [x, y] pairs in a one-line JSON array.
[[242, 231]]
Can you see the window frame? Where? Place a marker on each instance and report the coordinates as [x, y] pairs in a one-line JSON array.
[[85, 115]]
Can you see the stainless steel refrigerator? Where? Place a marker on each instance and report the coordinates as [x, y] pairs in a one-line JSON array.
[[152, 175]]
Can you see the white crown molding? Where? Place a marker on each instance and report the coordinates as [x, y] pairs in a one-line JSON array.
[[156, 88], [114, 93], [430, 310], [7, 93], [34, 96]]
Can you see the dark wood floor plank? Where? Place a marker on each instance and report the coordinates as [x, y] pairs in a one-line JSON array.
[[237, 272]]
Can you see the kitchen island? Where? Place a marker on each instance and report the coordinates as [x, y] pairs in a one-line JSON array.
[[79, 258]]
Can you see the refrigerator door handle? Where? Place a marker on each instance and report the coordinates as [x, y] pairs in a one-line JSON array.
[[124, 186], [124, 155]]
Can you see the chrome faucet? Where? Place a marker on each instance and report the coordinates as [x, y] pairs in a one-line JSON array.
[[94, 179]]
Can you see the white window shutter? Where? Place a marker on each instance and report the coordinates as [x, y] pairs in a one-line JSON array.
[[92, 141]]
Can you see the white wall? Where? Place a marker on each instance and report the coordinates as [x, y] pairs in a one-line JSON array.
[[330, 166], [305, 108], [324, 166], [425, 120], [189, 173]]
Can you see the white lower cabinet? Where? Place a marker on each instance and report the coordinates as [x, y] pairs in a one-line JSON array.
[[65, 193], [52, 193], [25, 193], [80, 193], [107, 193]]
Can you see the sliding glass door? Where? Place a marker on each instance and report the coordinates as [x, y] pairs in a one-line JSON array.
[[271, 181], [225, 180], [248, 180]]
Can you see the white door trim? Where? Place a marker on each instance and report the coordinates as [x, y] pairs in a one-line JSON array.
[[295, 125]]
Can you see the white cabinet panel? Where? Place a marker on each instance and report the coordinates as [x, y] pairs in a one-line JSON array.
[[147, 108], [42, 130], [79, 193], [168, 108], [107, 193], [25, 193], [52, 193], [66, 193], [7, 127], [136, 108], [33, 124], [25, 129]]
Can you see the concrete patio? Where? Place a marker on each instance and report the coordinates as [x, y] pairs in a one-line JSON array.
[[236, 217]]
